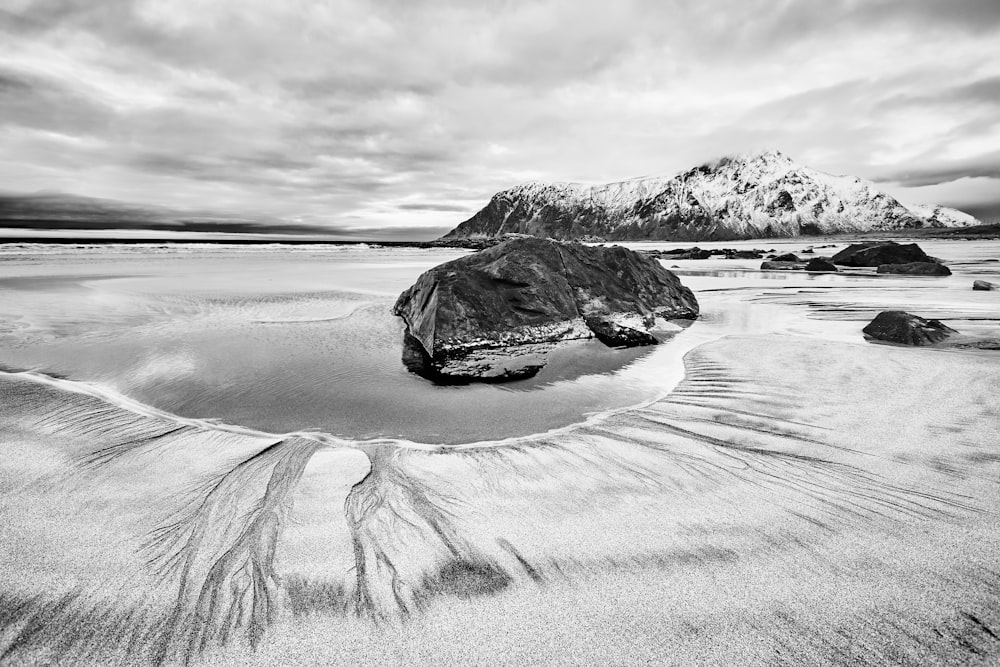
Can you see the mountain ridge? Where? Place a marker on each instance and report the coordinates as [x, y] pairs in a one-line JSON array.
[[753, 195]]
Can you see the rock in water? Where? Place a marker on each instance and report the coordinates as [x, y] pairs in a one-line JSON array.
[[787, 257], [982, 285], [916, 269], [821, 265], [775, 265], [493, 315], [897, 326], [876, 253]]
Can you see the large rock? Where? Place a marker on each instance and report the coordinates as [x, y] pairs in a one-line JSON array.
[[876, 253], [494, 314], [897, 326], [916, 269]]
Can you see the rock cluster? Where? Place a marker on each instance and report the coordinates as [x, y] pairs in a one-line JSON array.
[[699, 253]]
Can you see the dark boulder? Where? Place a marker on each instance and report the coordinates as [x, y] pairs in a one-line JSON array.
[[774, 265], [876, 253], [821, 265], [787, 257], [916, 269], [897, 326], [493, 315], [982, 285], [743, 254]]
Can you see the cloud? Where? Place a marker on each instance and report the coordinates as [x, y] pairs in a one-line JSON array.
[[414, 113], [986, 165]]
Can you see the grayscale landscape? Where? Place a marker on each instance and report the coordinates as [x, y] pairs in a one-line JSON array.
[[369, 347]]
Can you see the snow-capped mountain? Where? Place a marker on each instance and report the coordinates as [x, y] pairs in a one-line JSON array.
[[942, 216], [756, 195]]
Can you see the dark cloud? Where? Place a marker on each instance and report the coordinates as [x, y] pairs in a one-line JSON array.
[[987, 212], [986, 165], [32, 101], [434, 207], [977, 16], [984, 92]]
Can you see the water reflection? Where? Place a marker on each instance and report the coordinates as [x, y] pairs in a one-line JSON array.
[[286, 340]]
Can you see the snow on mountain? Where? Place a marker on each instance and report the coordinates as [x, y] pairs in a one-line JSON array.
[[747, 196], [942, 216]]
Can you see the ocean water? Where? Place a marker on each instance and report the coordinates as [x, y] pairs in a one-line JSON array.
[[291, 338]]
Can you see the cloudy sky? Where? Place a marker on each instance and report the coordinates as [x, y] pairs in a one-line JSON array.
[[403, 115]]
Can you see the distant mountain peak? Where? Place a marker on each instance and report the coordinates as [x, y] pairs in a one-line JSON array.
[[747, 195]]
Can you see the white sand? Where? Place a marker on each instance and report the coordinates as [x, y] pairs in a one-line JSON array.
[[802, 497], [792, 501]]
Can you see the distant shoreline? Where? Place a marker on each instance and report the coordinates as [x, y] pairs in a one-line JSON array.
[[980, 232]]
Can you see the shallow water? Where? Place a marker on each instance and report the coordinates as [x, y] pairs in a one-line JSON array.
[[286, 338]]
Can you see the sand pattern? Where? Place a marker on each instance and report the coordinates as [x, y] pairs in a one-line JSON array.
[[788, 486]]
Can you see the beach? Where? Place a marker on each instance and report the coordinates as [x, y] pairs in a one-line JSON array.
[[215, 456]]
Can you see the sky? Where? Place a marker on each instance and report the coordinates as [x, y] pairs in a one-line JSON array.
[[401, 117]]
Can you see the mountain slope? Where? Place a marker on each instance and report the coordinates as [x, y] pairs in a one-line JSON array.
[[749, 196]]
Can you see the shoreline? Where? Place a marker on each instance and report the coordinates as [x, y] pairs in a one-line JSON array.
[[986, 232]]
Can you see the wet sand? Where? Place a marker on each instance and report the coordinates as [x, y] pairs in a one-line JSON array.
[[800, 497]]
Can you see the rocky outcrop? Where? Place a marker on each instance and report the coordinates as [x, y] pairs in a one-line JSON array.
[[787, 257], [916, 269], [876, 253], [897, 326], [493, 315], [755, 195], [983, 286], [821, 265]]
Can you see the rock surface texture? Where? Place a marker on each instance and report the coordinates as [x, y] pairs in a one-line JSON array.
[[747, 196], [897, 326], [493, 315], [775, 265], [916, 269], [821, 265], [877, 253]]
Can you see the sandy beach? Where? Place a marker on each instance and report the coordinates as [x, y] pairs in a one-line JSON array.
[[766, 487]]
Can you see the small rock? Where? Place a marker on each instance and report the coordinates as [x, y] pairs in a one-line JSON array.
[[983, 286], [613, 334], [897, 326], [916, 269], [787, 257], [821, 265], [774, 265]]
